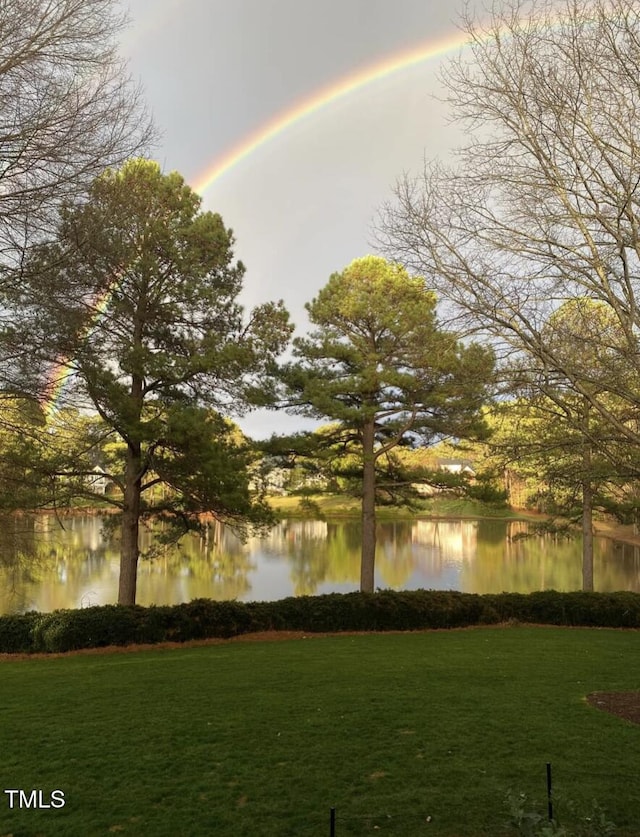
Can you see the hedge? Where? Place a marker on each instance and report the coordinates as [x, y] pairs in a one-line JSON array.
[[95, 627]]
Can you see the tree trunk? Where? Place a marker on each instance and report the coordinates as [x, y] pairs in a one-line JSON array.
[[587, 535], [129, 548], [367, 563], [587, 507]]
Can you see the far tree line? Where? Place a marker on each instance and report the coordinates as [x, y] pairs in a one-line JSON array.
[[502, 315]]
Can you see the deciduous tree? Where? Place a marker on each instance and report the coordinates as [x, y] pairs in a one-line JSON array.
[[554, 431], [68, 109], [542, 205]]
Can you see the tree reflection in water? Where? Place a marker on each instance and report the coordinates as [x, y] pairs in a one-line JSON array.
[[45, 566]]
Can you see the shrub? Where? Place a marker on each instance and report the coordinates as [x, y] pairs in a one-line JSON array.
[[91, 627], [548, 607], [15, 633], [386, 610], [204, 618]]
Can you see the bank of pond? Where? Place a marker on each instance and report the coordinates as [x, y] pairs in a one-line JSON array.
[[47, 564]]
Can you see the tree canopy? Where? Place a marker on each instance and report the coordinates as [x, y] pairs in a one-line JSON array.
[[135, 308], [379, 365]]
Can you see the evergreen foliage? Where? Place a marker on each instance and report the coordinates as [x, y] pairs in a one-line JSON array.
[[132, 318], [381, 367]]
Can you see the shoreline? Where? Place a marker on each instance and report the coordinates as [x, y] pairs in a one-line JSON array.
[[624, 533], [616, 532]]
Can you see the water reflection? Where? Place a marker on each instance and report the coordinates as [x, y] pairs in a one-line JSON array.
[[44, 566]]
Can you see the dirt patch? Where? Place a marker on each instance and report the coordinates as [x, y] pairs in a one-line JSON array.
[[265, 636], [261, 636], [622, 704]]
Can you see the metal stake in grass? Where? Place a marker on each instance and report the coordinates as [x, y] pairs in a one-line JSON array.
[[332, 822], [549, 799]]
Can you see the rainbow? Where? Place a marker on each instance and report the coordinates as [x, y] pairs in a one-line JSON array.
[[320, 99], [63, 369], [324, 97]]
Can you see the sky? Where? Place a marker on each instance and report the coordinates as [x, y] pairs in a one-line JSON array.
[[302, 203]]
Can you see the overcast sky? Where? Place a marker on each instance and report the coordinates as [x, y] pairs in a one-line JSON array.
[[301, 205]]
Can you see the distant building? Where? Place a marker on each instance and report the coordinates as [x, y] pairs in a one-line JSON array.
[[451, 466], [97, 481], [456, 466]]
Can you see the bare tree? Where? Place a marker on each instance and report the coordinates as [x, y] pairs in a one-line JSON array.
[[542, 204], [68, 109]]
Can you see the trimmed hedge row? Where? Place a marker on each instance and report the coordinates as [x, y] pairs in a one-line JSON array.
[[95, 627]]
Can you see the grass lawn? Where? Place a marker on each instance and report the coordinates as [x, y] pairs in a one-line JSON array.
[[263, 738]]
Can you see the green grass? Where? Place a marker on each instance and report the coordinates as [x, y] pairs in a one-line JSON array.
[[334, 505], [262, 738]]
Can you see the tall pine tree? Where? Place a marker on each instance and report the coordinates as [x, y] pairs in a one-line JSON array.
[[136, 305], [379, 364]]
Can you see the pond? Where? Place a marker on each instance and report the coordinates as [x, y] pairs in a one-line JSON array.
[[44, 566]]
